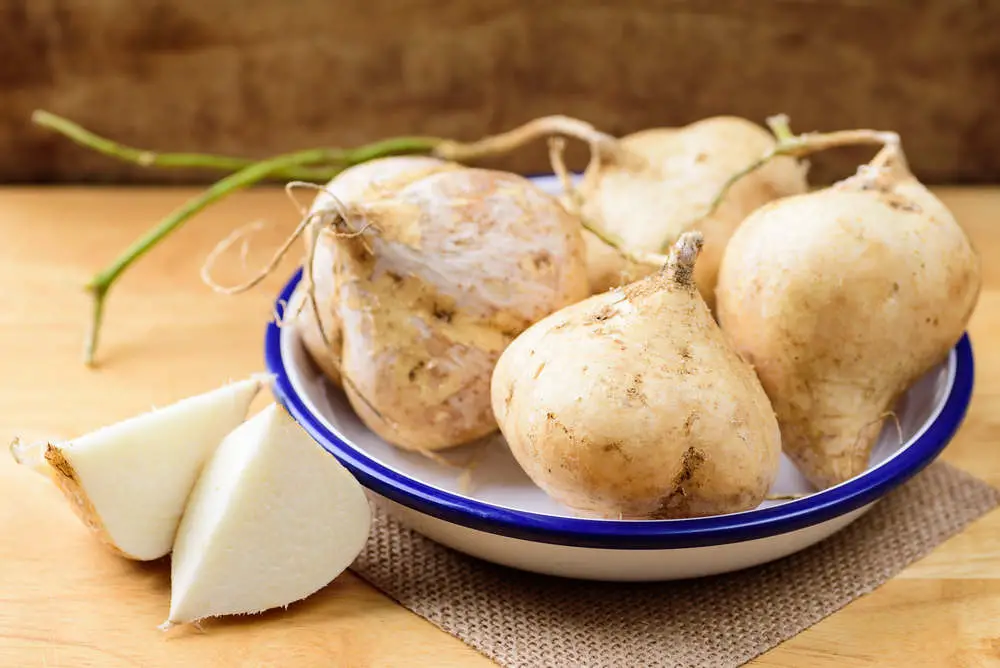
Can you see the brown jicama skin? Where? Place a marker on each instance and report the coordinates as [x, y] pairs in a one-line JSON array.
[[841, 299], [455, 262], [647, 203], [631, 404]]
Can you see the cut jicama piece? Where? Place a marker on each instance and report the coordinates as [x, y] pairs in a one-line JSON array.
[[272, 519], [129, 481]]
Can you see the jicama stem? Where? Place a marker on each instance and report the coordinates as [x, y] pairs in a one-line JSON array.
[[146, 158], [537, 128], [799, 146]]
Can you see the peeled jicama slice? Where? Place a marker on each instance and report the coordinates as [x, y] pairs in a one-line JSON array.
[[129, 481], [272, 519]]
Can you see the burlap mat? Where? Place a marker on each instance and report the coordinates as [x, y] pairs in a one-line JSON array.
[[521, 619]]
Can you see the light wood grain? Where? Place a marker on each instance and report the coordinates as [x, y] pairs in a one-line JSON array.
[[65, 601]]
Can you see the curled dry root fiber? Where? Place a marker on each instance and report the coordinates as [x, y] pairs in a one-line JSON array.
[[337, 219], [575, 203]]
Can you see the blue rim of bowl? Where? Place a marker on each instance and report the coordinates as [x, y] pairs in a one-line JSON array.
[[612, 534]]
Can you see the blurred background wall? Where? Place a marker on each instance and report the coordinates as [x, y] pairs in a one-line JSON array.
[[257, 77]]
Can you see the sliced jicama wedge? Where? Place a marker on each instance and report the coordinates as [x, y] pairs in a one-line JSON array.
[[272, 519], [129, 481]]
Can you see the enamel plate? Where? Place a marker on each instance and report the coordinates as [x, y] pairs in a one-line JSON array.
[[485, 505]]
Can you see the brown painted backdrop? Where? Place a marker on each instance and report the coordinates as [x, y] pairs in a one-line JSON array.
[[256, 77]]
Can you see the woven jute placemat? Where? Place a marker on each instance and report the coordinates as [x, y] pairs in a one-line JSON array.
[[521, 619]]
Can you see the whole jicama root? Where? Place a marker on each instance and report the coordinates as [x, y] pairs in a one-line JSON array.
[[648, 203], [319, 328], [423, 273], [631, 404], [842, 298]]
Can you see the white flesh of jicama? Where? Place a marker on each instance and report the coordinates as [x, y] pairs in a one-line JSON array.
[[129, 481], [272, 519]]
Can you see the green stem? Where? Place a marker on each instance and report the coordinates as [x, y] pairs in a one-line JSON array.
[[386, 147], [101, 283], [145, 158], [799, 146]]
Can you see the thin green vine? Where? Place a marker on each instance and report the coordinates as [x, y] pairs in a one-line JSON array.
[[146, 158], [320, 164], [799, 146]]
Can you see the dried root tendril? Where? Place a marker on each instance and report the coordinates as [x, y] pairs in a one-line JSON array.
[[899, 426], [556, 147], [858, 446], [241, 234], [321, 220], [436, 457], [465, 481], [280, 314], [318, 219], [546, 126], [466, 468], [342, 215]]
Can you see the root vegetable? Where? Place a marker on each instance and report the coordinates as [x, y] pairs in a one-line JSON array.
[[129, 481], [841, 299], [631, 404], [645, 189], [319, 328], [648, 203], [272, 519], [440, 268]]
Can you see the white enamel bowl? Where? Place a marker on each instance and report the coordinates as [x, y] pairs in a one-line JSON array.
[[496, 513]]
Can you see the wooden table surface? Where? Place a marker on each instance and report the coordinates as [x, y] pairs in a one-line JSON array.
[[65, 601]]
